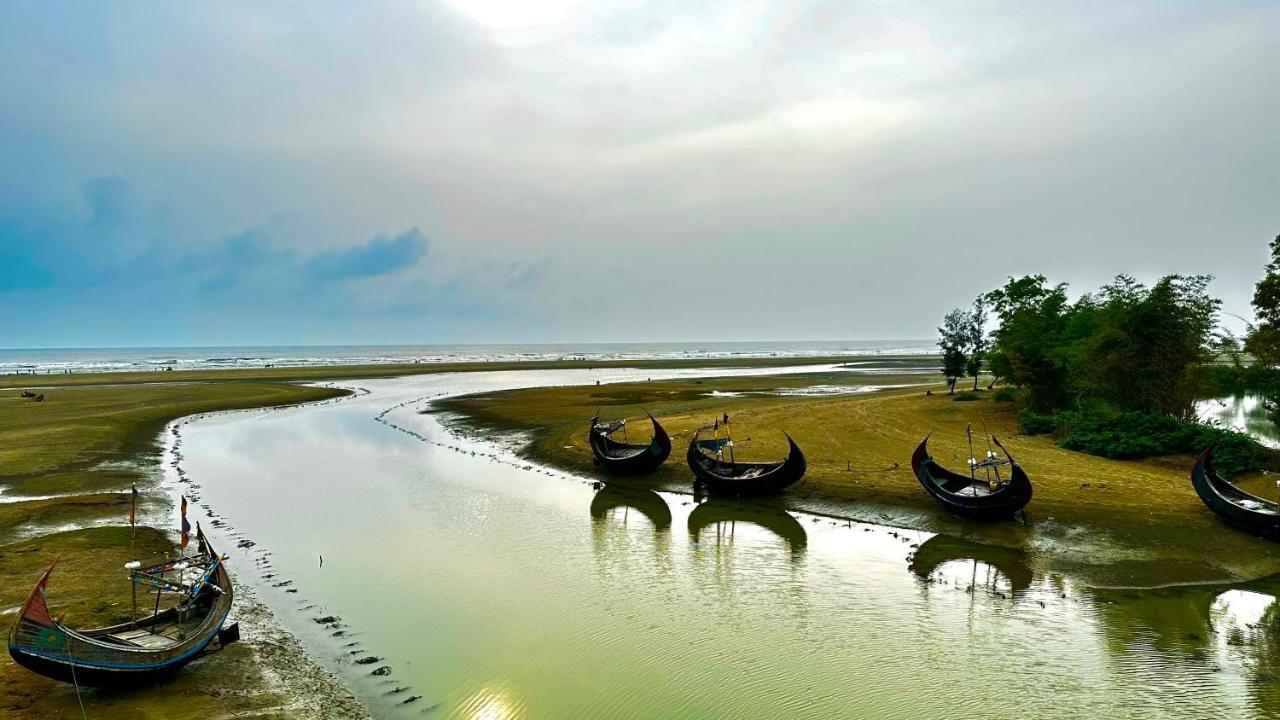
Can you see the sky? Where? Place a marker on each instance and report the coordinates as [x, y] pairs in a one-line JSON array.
[[606, 170]]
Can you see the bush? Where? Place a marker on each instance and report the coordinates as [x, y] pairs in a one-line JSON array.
[[966, 397], [1133, 435], [1005, 394], [1034, 423]]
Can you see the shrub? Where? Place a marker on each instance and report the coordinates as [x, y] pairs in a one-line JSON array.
[[1034, 423], [1005, 394], [1134, 435]]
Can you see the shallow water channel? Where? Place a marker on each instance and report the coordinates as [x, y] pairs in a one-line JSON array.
[[487, 588]]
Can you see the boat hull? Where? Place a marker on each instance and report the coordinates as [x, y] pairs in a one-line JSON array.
[[1002, 504], [771, 479], [1224, 499], [628, 459]]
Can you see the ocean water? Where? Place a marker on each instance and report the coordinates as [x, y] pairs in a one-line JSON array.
[[60, 360]]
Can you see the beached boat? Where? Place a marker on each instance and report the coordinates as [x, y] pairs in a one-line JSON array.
[[625, 457], [986, 493], [135, 652], [721, 476], [1236, 507]]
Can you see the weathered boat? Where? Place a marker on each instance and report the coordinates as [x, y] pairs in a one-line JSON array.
[[1236, 507], [778, 521], [646, 502], [140, 651], [624, 457], [718, 476], [989, 497]]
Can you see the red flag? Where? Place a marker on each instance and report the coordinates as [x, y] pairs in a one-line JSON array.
[[133, 505], [186, 526]]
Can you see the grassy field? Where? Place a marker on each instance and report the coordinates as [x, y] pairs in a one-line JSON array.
[[1110, 522], [78, 452]]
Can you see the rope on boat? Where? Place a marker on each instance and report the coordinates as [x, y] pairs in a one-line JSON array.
[[71, 661]]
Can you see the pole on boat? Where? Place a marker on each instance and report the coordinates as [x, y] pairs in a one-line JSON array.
[[991, 456], [968, 430]]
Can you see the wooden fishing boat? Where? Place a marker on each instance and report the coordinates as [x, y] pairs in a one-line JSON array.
[[646, 502], [1236, 507], [984, 494], [942, 549], [624, 457], [135, 652], [778, 521], [719, 476]]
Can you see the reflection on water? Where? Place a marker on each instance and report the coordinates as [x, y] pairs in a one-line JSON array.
[[646, 502], [724, 516], [488, 589], [1244, 413], [948, 560]]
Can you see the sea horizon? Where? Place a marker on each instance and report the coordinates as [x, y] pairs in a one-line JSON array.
[[143, 358]]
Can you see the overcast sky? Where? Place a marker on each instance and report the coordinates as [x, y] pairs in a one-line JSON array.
[[510, 171]]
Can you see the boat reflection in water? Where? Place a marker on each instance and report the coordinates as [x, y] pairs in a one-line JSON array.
[[648, 503], [725, 514], [943, 558]]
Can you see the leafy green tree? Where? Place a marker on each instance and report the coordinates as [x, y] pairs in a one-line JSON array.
[[953, 338], [1263, 339], [976, 339], [1147, 348], [1026, 346]]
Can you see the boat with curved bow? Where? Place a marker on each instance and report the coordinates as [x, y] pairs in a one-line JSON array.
[[625, 457], [727, 477], [139, 651], [1236, 507], [986, 493]]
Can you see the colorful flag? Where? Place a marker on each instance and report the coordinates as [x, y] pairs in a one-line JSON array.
[[133, 505], [186, 526]]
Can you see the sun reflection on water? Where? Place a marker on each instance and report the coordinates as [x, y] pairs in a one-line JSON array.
[[490, 704]]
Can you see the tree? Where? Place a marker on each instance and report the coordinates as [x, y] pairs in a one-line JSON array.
[[1027, 349], [976, 338], [953, 338], [1263, 340], [1148, 347]]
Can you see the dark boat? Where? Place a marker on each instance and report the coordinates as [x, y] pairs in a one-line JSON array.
[[1236, 507], [646, 502], [742, 479], [136, 652], [623, 457], [778, 521], [972, 496], [942, 549]]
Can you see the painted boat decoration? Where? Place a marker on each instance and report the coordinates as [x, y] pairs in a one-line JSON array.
[[986, 496], [719, 476], [136, 652], [624, 457], [1236, 507]]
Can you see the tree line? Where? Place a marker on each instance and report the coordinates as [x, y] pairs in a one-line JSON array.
[[1118, 370]]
